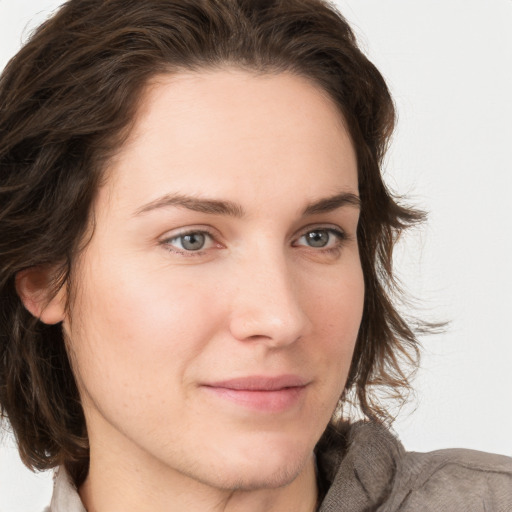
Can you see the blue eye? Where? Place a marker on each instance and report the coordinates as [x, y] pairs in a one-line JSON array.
[[190, 242], [323, 238], [319, 238]]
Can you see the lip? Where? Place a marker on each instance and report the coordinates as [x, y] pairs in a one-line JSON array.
[[261, 393]]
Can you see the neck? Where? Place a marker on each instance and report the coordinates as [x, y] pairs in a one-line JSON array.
[[125, 478], [129, 489]]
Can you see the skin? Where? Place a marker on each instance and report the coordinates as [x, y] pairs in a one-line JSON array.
[[153, 322]]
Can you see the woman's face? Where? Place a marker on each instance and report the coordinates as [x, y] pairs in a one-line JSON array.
[[219, 299]]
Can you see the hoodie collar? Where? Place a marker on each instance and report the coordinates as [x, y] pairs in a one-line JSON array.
[[357, 464]]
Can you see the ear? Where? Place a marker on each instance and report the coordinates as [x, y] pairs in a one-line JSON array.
[[34, 287]]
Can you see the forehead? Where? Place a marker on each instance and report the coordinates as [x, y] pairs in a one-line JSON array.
[[229, 130]]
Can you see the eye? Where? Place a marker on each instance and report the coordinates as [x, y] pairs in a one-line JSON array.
[[193, 241], [322, 238]]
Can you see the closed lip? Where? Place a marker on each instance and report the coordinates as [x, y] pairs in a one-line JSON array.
[[260, 383]]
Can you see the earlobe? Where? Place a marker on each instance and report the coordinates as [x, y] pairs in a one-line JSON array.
[[34, 287]]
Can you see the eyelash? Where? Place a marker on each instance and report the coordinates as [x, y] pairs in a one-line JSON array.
[[340, 235]]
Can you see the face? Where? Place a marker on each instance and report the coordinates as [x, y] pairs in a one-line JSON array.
[[219, 299]]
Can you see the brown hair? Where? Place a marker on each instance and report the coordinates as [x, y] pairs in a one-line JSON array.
[[68, 98]]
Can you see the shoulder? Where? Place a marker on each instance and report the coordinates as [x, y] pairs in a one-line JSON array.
[[367, 468], [454, 479]]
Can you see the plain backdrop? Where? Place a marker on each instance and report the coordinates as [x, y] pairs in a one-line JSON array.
[[448, 64]]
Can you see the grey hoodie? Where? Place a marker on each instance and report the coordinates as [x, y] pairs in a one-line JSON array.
[[363, 467]]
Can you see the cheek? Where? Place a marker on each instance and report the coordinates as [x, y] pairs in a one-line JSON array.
[[138, 330], [336, 303], [336, 310]]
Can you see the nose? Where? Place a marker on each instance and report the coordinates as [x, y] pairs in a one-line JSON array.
[[267, 304]]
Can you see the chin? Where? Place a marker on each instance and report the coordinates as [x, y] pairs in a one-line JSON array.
[[252, 479], [268, 465]]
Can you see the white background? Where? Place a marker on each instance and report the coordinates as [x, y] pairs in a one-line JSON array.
[[448, 63]]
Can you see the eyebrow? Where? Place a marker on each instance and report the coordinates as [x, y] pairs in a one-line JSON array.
[[211, 206], [231, 209], [332, 203]]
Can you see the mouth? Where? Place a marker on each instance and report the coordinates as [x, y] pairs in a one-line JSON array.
[[266, 394]]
